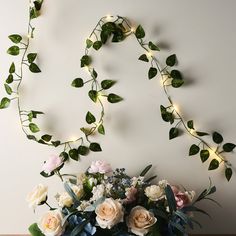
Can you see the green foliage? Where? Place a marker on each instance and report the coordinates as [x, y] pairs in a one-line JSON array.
[[214, 164], [173, 133], [9, 79], [77, 83], [74, 154], [201, 133], [12, 68], [113, 98], [34, 68], [97, 45], [153, 46], [31, 57], [95, 147], [89, 43], [143, 57], [101, 129], [217, 138], [140, 33], [15, 38], [56, 143], [228, 147], [46, 137], [93, 94], [90, 118], [85, 60], [194, 149], [145, 170], [177, 80], [166, 116], [152, 72], [8, 89], [170, 199], [5, 102], [64, 156], [83, 150], [106, 84], [228, 173], [190, 124], [204, 154], [33, 128], [14, 50], [171, 60], [34, 230]]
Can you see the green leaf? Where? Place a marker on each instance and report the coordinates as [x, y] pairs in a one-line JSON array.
[[140, 33], [38, 4], [113, 98], [171, 60], [89, 43], [34, 68], [143, 57], [175, 74], [228, 147], [12, 68], [34, 128], [31, 137], [46, 137], [94, 74], [95, 147], [35, 113], [31, 57], [145, 170], [194, 149], [118, 35], [34, 13], [56, 143], [105, 35], [64, 156], [228, 173], [204, 154], [97, 45], [106, 84], [15, 38], [90, 118], [190, 124], [201, 133], [166, 116], [35, 231], [83, 150], [46, 175], [93, 94], [5, 102], [74, 154], [176, 83], [101, 129], [152, 72], [214, 164], [170, 198], [109, 27], [14, 50], [85, 60], [217, 138], [153, 46], [173, 133], [77, 83], [8, 89], [9, 79]]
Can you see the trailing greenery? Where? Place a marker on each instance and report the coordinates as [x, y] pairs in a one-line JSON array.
[[115, 30]]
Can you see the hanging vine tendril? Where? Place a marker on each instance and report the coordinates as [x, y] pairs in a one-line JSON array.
[[114, 29]]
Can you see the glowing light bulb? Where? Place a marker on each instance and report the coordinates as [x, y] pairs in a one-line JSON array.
[[175, 107], [132, 29], [149, 54], [73, 139], [192, 131], [29, 36], [108, 17], [87, 68]]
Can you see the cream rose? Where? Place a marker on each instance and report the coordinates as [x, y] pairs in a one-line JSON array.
[[37, 196], [109, 213], [154, 192], [65, 200], [51, 223], [140, 220]]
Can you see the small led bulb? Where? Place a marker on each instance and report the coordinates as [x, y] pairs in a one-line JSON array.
[[175, 107], [109, 17], [132, 29], [149, 54]]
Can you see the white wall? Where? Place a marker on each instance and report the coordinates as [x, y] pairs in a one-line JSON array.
[[201, 33]]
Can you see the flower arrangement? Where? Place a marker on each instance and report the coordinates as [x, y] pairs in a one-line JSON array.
[[103, 202]]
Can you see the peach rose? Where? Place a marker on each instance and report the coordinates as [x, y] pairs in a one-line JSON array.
[[51, 223], [109, 213], [140, 220]]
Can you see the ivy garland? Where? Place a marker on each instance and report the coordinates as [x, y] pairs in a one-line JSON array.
[[117, 29]]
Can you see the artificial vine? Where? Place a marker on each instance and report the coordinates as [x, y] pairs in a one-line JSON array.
[[114, 29]]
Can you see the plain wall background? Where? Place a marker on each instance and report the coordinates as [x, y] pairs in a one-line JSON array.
[[201, 33]]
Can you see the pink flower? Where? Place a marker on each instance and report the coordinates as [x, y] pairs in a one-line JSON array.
[[130, 195], [182, 198], [101, 167], [51, 164]]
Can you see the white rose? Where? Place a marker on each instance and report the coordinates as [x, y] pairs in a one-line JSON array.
[[37, 196], [154, 192], [163, 183], [51, 223], [140, 220], [109, 213], [65, 200]]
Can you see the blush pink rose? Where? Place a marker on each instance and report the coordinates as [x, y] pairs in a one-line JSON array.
[[51, 164], [182, 198], [101, 167]]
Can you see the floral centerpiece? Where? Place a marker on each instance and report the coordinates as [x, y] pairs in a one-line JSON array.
[[103, 202]]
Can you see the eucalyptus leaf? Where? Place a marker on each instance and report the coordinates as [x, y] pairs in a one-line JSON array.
[[194, 149]]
